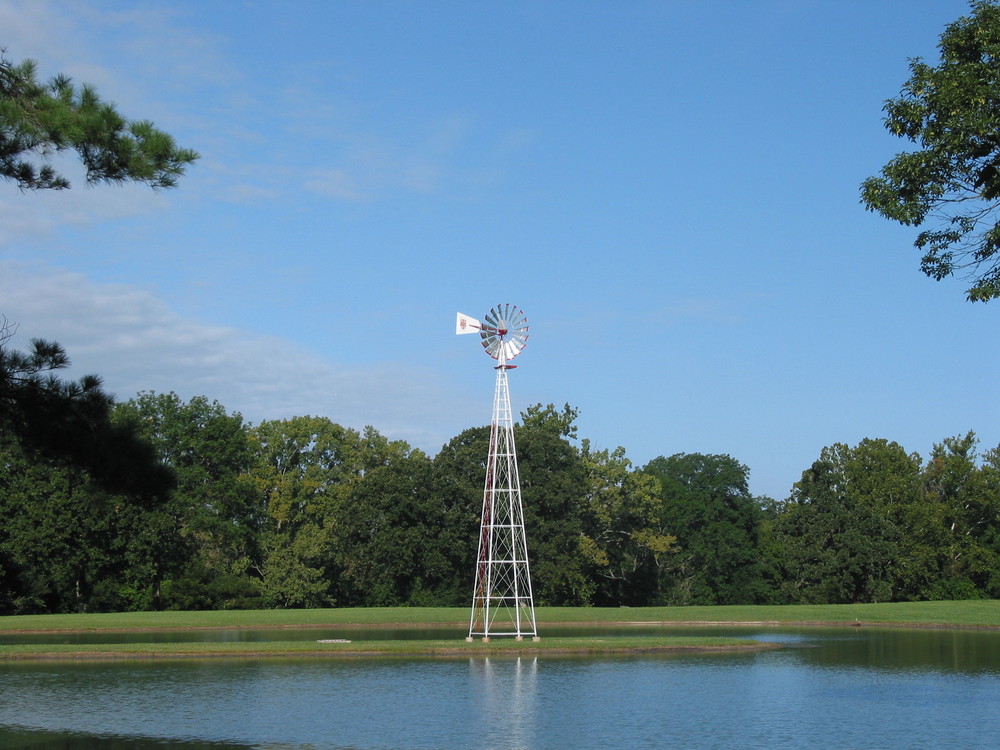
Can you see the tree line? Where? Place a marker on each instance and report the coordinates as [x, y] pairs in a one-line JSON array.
[[304, 512]]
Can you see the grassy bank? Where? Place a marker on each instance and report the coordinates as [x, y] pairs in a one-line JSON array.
[[946, 614], [965, 614], [450, 648]]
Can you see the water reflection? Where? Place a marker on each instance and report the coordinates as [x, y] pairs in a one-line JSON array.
[[28, 739], [509, 699], [972, 651]]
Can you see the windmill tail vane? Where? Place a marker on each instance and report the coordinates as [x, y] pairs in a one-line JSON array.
[[466, 324]]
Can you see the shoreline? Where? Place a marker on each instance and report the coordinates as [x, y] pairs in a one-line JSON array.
[[498, 647], [560, 624], [558, 646], [367, 652]]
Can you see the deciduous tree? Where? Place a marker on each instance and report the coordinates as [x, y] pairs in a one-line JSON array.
[[950, 184], [964, 503], [553, 487], [854, 528], [624, 539], [67, 545], [396, 539], [215, 505], [707, 505]]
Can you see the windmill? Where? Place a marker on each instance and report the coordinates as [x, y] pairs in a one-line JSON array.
[[502, 603]]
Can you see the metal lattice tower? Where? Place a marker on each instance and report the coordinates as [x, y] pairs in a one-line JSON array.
[[502, 602]]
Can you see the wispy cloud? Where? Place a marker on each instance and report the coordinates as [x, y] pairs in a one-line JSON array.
[[32, 214], [135, 342], [35, 30], [153, 63], [335, 183]]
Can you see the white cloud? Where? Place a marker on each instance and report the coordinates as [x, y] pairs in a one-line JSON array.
[[334, 183], [248, 194], [31, 214], [35, 30], [135, 342]]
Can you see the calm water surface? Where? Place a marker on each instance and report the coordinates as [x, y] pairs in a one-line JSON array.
[[829, 688]]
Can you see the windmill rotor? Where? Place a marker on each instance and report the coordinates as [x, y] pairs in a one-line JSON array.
[[504, 333]]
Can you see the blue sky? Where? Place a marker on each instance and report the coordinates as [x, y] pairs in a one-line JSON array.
[[668, 189]]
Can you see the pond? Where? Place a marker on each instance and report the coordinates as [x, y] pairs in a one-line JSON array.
[[828, 688]]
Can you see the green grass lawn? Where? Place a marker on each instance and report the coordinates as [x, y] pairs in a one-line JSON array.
[[976, 613]]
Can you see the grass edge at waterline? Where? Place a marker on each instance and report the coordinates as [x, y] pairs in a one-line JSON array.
[[458, 647]]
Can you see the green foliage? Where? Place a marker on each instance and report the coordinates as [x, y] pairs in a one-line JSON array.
[[902, 531], [292, 570], [63, 429], [396, 539], [963, 501], [459, 474], [305, 470], [858, 529], [67, 545], [951, 112], [553, 484], [304, 467], [82, 493], [40, 119], [550, 419], [215, 507], [707, 505], [624, 540]]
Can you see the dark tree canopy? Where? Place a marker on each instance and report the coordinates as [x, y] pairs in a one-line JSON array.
[[39, 119], [950, 185], [69, 421]]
